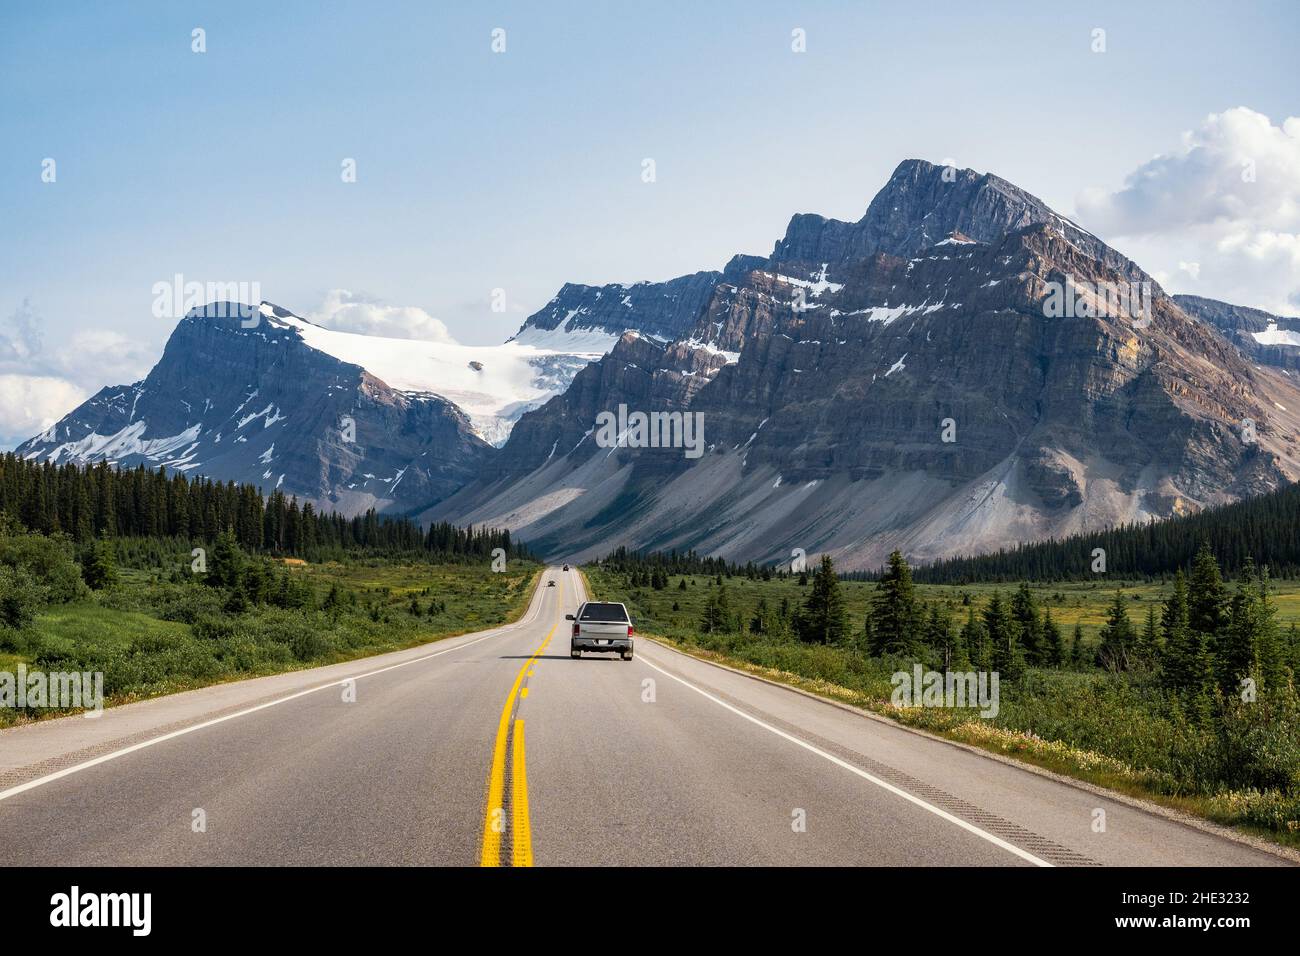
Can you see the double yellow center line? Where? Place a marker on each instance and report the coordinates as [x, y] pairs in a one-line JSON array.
[[494, 824]]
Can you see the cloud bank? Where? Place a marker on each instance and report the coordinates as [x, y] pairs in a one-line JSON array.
[[1218, 215], [347, 311], [38, 386]]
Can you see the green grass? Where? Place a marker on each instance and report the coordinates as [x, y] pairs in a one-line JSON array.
[[1084, 603], [87, 623], [1116, 731], [150, 635]]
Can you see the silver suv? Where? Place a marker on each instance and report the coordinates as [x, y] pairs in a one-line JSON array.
[[601, 626]]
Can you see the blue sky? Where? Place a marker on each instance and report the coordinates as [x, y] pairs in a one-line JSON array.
[[522, 170]]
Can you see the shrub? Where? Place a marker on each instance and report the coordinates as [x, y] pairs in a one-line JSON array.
[[48, 561], [20, 596]]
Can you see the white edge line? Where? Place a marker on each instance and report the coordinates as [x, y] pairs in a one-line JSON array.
[[528, 618], [996, 841]]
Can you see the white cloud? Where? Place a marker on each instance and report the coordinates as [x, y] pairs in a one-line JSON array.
[[1219, 215], [29, 404], [356, 312], [39, 385], [94, 358]]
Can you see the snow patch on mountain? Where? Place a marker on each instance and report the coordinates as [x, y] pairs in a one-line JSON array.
[[492, 384], [566, 338], [1275, 336], [122, 443]]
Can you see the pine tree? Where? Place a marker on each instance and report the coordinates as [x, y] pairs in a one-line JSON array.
[[1147, 651], [823, 619], [1024, 612], [1270, 649], [1186, 668], [1077, 652], [1004, 639], [1118, 639], [975, 637], [226, 564], [1250, 645], [939, 636], [895, 613], [1207, 600], [99, 567], [1053, 649], [959, 658], [716, 616]]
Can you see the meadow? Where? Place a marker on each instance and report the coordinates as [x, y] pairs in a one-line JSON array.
[[160, 629], [1082, 603], [1237, 765]]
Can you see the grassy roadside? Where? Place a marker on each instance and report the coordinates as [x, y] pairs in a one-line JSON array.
[[1043, 721], [152, 635]]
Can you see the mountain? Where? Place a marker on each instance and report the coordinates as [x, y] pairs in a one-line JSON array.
[[922, 205], [263, 397], [826, 372], [959, 370], [602, 313], [1268, 339]]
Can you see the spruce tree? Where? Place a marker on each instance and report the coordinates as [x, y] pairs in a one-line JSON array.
[[975, 637], [1270, 648], [895, 613], [1053, 650], [1004, 638], [226, 563], [1118, 639], [1186, 668], [1207, 600], [1147, 652], [959, 657], [1024, 612], [1076, 646], [98, 567], [823, 619], [939, 636]]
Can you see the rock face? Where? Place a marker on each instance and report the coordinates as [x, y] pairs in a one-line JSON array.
[[1268, 339], [661, 309], [256, 405], [922, 204], [904, 381]]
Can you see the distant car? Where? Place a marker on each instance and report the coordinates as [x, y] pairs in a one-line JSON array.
[[566, 567], [602, 626], [550, 584]]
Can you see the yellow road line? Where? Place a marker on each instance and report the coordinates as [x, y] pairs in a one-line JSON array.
[[522, 854], [494, 818]]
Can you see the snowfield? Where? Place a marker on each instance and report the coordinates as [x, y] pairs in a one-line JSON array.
[[1275, 336], [513, 378]]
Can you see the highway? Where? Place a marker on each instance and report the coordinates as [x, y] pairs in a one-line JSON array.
[[498, 749]]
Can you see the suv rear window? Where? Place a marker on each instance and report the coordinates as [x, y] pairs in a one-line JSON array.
[[604, 613]]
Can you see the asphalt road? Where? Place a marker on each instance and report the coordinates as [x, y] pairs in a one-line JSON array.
[[498, 748]]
